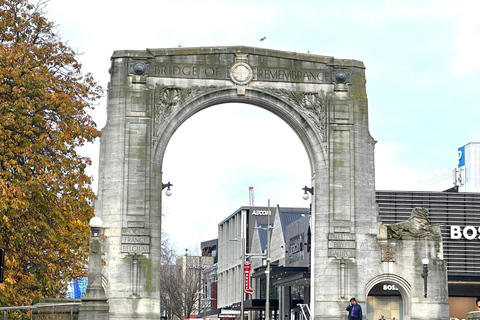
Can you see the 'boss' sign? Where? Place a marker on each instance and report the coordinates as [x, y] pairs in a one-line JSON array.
[[468, 232]]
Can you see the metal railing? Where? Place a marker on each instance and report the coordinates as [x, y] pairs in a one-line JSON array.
[[305, 311], [64, 314]]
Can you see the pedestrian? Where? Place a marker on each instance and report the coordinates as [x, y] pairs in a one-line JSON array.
[[354, 310]]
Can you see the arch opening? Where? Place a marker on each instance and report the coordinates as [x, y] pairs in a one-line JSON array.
[[222, 150], [388, 297]]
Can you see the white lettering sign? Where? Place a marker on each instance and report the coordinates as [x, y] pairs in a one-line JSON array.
[[261, 213], [389, 287], [468, 232]]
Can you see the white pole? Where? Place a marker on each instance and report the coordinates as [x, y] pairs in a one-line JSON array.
[[267, 270]]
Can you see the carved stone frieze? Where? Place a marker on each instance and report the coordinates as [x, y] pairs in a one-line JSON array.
[[313, 104], [417, 226], [169, 98]]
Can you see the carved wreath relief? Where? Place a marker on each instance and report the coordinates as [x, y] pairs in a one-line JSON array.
[[312, 103], [169, 98]]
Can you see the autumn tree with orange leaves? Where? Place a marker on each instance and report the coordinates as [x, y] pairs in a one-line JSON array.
[[45, 194]]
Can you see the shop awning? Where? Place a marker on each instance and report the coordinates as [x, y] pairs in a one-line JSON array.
[[285, 276]]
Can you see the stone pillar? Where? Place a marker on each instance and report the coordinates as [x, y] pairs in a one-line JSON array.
[[94, 302]]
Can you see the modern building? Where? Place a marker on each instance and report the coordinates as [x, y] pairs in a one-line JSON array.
[[77, 288], [469, 166], [247, 228], [210, 279], [210, 249], [289, 274], [235, 235], [458, 215]]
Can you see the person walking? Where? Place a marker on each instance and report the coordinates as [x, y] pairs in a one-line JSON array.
[[354, 310]]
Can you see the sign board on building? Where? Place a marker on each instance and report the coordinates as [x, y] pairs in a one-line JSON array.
[[461, 156], [468, 232], [248, 269]]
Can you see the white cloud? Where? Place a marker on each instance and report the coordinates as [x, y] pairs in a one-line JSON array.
[[467, 39], [389, 173]]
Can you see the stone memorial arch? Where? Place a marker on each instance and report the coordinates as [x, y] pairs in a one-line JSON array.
[[323, 99]]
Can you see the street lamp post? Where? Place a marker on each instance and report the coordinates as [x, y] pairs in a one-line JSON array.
[[242, 271], [200, 283], [267, 270], [305, 195], [168, 192], [205, 306], [425, 275], [242, 300], [94, 302]]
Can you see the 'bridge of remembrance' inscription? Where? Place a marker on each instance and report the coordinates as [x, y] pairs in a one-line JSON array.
[[222, 73]]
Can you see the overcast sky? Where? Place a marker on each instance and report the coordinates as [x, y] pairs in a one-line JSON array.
[[422, 68]]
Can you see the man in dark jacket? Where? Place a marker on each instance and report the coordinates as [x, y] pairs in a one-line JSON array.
[[354, 310]]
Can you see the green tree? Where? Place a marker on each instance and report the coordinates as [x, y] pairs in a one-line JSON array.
[[45, 194]]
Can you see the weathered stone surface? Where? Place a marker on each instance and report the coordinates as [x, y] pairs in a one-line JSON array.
[[417, 226], [323, 99]]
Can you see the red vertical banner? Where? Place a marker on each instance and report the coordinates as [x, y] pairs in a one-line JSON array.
[[247, 269]]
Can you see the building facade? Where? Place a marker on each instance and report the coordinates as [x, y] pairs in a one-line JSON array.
[[458, 215], [468, 171], [289, 273], [235, 235]]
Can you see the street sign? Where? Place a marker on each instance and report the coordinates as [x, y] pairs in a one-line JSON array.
[[247, 268]]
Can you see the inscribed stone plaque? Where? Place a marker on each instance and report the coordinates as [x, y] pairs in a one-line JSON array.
[[135, 231], [135, 248], [241, 72], [136, 239], [341, 244], [341, 236], [341, 253]]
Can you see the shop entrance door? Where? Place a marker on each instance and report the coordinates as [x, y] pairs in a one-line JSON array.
[[385, 302]]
